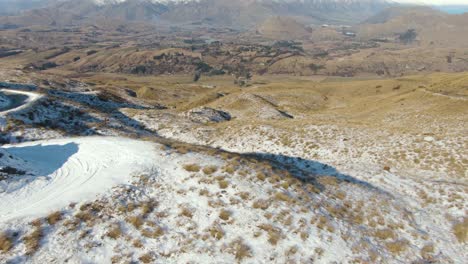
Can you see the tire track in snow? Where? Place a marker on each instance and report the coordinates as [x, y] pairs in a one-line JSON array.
[[99, 164]]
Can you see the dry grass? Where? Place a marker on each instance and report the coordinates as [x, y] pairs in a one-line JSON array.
[[240, 249], [192, 167], [274, 234], [427, 251], [186, 212], [6, 242], [154, 233], [225, 215], [261, 176], [210, 170], [114, 232], [261, 204], [396, 247], [279, 196], [136, 221], [146, 258], [53, 218], [384, 234], [460, 230], [33, 240], [216, 231], [223, 184]]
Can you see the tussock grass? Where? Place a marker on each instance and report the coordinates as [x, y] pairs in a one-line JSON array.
[[261, 176], [136, 221], [53, 218], [225, 215], [32, 241], [223, 184], [385, 234], [396, 247], [153, 233], [146, 258], [115, 231], [274, 233], [240, 249], [210, 170], [6, 242], [279, 196], [261, 204], [460, 230], [186, 212], [192, 167], [216, 231]]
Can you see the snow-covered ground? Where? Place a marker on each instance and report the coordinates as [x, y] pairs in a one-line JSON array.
[[175, 203], [63, 171]]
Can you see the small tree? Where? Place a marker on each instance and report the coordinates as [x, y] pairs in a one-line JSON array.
[[409, 36], [315, 67], [197, 76]]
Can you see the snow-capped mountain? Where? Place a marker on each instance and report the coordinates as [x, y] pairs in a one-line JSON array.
[[238, 14]]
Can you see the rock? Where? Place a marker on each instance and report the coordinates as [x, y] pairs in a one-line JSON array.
[[131, 93], [208, 115]]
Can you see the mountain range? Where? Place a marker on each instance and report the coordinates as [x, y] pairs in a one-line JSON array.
[[235, 14]]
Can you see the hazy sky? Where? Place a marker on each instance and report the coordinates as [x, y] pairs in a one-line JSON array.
[[436, 2]]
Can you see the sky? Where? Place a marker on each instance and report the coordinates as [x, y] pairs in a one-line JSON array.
[[436, 2]]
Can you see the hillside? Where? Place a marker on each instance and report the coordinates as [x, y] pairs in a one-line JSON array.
[[433, 27], [283, 28]]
